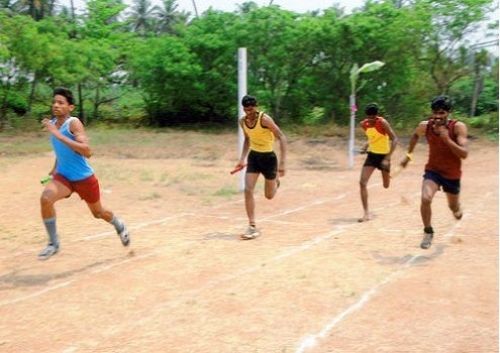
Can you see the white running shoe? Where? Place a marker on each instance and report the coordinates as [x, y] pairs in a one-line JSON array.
[[251, 233], [124, 235], [48, 252]]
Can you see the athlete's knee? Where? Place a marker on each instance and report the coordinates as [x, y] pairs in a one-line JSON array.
[[363, 183], [46, 198], [270, 194], [426, 199]]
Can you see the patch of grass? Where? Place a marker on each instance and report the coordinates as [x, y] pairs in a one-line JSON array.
[[226, 191], [150, 196]]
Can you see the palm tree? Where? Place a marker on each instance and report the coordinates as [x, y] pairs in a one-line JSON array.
[[195, 8], [37, 9], [168, 16], [142, 16]]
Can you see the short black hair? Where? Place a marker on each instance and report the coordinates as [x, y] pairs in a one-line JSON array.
[[441, 102], [371, 109], [61, 91], [248, 101]]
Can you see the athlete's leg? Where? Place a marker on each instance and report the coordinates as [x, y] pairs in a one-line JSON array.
[[271, 187], [366, 173], [429, 189], [100, 212], [386, 178], [250, 181], [454, 205], [53, 192]]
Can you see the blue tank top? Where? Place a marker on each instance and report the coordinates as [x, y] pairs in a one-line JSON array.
[[71, 165]]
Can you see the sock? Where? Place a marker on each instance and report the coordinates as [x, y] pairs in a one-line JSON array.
[[117, 223], [50, 225], [428, 230]]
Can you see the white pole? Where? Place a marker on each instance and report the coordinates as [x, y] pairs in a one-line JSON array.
[[242, 91], [352, 101]]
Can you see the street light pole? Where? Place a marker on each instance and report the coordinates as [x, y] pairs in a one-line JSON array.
[[355, 72], [352, 123]]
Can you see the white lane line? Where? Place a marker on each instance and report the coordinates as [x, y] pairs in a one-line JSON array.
[[293, 210], [140, 225], [101, 269], [466, 215], [156, 310], [312, 340], [37, 293]]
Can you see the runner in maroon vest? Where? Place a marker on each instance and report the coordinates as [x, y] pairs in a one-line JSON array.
[[447, 141]]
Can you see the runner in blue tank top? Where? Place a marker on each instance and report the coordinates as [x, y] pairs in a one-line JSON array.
[[71, 172]]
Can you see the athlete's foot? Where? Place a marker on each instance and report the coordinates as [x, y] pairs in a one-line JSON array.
[[48, 252], [124, 235], [251, 233], [427, 240], [365, 218], [458, 214]]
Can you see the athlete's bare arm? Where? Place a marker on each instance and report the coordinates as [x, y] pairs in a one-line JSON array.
[[419, 131], [268, 122], [246, 145], [80, 145], [459, 148]]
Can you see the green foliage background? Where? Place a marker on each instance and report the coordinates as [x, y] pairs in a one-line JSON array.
[[158, 66]]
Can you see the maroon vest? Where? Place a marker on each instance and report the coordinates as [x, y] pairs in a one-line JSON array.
[[441, 159]]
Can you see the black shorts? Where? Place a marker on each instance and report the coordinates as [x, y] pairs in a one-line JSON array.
[[263, 162], [451, 186], [375, 160]]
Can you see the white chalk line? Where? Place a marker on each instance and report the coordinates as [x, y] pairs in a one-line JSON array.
[[311, 340], [101, 269], [141, 225], [37, 293], [134, 227], [143, 316]]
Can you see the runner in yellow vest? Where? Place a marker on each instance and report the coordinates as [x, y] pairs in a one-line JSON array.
[[260, 132], [381, 143]]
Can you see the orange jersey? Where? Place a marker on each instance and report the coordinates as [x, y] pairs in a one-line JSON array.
[[378, 138], [441, 159]]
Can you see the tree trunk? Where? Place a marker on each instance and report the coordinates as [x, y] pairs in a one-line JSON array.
[[95, 113], [478, 86], [81, 114], [3, 108], [32, 92]]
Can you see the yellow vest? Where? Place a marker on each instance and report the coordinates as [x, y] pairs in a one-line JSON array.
[[378, 138], [261, 138]]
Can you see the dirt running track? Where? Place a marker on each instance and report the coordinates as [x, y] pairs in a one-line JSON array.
[[315, 281]]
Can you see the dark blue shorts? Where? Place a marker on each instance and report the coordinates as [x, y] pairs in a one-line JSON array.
[[451, 186]]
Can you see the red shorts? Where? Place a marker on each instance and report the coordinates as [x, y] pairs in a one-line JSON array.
[[88, 188]]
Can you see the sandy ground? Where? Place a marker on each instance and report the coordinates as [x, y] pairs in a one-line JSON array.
[[315, 281]]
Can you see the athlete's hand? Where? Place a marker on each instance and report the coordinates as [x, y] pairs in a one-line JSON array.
[[49, 127], [441, 130], [404, 162], [281, 171], [385, 164]]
